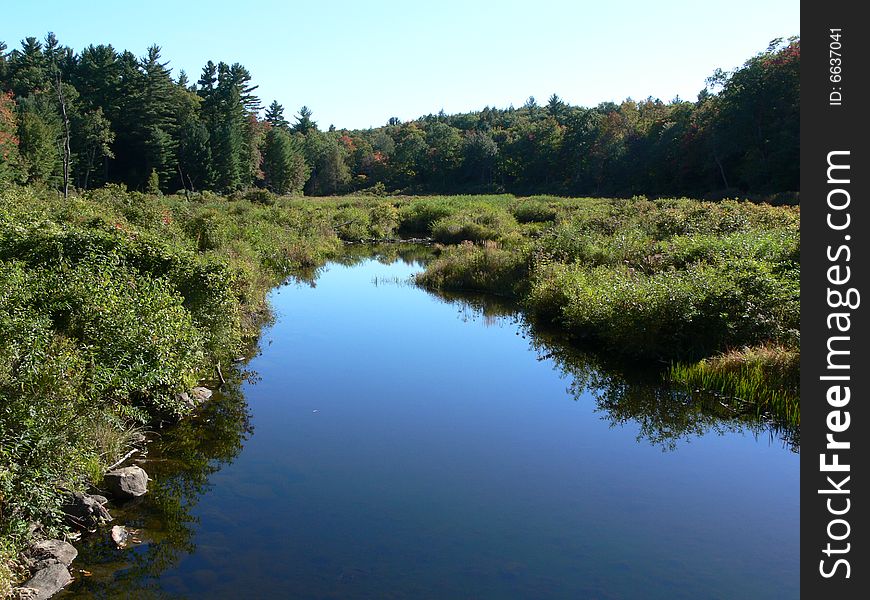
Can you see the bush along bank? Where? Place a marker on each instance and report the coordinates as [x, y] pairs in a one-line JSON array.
[[112, 306], [115, 304], [709, 288]]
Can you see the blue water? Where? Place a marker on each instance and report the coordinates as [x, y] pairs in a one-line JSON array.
[[408, 447]]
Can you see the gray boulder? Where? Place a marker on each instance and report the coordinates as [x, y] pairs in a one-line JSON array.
[[127, 482], [195, 397], [200, 394], [47, 582], [48, 552], [84, 511]]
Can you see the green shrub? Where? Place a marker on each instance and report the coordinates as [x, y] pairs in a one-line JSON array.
[[475, 224], [384, 219], [482, 268], [260, 196], [533, 211], [418, 217]]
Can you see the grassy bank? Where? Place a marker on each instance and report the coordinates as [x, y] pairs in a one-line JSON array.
[[713, 287], [112, 302]]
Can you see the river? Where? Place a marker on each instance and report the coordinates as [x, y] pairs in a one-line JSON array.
[[392, 443]]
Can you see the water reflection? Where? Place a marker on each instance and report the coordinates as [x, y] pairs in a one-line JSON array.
[[627, 392], [393, 458], [180, 461]]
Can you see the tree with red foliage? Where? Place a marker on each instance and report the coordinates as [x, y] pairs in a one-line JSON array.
[[10, 160]]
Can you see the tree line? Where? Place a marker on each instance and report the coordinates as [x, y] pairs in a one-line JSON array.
[[102, 116]]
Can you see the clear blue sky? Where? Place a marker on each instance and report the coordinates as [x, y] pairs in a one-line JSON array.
[[357, 63]]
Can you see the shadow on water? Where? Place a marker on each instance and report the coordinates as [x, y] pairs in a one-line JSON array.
[[182, 458], [627, 392]]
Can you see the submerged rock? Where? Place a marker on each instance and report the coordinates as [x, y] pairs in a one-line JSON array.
[[119, 536], [84, 511], [46, 582], [127, 482]]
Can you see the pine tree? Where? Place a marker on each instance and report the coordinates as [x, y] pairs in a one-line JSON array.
[[157, 122], [194, 156], [94, 137], [226, 148], [28, 68], [275, 116], [283, 163], [304, 124], [39, 130], [153, 186]]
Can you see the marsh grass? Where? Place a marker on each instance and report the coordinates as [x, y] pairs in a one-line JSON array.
[[766, 376], [661, 281]]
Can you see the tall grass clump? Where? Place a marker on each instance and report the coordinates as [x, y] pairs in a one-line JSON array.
[[475, 224], [485, 268], [766, 376]]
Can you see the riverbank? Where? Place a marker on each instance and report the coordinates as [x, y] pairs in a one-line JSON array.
[[711, 289], [113, 303]]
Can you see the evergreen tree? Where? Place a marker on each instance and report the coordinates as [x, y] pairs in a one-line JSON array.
[[283, 164], [226, 149], [97, 79], [304, 124], [275, 116], [28, 69], [194, 156], [556, 108], [94, 137], [157, 117], [39, 131]]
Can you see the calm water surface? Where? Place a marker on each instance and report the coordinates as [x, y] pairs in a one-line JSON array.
[[399, 445]]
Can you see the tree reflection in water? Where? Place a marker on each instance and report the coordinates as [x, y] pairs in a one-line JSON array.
[[183, 456], [626, 392], [180, 460]]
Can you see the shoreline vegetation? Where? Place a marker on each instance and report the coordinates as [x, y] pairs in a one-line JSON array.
[[114, 302]]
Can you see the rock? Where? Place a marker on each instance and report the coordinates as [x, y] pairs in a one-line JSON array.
[[197, 396], [101, 499], [119, 536], [128, 482], [200, 394], [84, 511], [48, 581], [51, 551]]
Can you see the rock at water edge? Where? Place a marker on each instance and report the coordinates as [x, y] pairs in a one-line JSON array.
[[48, 581], [128, 482]]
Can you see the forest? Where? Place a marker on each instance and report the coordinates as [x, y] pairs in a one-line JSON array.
[[100, 115]]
